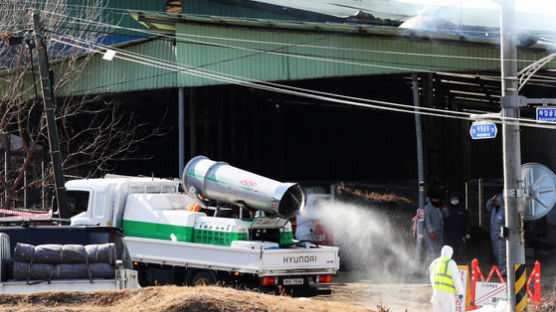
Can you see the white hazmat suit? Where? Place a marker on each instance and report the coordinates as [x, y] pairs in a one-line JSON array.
[[442, 300]]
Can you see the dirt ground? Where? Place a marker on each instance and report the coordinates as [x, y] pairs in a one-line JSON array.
[[396, 297], [347, 293], [339, 296], [169, 299], [354, 296]]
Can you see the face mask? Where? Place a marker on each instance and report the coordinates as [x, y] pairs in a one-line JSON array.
[[454, 202]]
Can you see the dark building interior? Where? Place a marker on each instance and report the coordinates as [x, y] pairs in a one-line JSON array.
[[288, 137]]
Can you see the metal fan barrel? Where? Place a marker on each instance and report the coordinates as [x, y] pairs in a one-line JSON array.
[[222, 182]]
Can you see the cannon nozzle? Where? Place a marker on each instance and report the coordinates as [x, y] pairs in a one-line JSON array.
[[222, 182]]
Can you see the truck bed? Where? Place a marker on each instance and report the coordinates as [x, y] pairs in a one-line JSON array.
[[259, 261], [125, 279]]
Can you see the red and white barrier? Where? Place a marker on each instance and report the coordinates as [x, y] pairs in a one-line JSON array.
[[536, 275], [486, 292], [23, 214]]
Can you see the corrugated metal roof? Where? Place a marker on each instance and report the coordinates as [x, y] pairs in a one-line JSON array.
[[247, 9], [345, 8], [164, 22], [537, 16]]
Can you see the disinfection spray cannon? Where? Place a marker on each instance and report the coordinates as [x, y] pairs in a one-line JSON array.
[[222, 182]]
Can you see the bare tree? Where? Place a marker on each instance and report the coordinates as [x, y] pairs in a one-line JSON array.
[[93, 133]]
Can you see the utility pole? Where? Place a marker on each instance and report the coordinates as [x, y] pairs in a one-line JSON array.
[[419, 137], [420, 172], [181, 134], [49, 108], [513, 192]]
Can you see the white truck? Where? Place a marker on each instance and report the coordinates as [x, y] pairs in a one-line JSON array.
[[219, 224]]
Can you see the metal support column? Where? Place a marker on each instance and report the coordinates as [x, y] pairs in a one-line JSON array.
[[192, 126], [513, 193], [181, 134], [481, 199], [420, 171]]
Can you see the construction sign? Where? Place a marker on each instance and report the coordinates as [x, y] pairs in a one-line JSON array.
[[462, 305], [487, 293]]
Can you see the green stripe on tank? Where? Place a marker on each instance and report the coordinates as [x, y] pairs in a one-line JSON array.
[[193, 174], [157, 230]]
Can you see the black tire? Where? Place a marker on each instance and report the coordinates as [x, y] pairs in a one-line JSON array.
[[203, 278]]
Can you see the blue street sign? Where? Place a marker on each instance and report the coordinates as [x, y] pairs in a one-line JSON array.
[[547, 114], [483, 130]]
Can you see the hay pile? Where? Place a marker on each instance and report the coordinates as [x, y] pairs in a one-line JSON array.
[[167, 299]]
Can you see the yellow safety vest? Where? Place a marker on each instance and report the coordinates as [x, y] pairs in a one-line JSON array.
[[441, 275]]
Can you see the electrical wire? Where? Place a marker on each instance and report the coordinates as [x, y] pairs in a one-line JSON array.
[[308, 57], [204, 75], [305, 93], [123, 12], [176, 65], [182, 35], [340, 61], [290, 54], [400, 68], [315, 58]]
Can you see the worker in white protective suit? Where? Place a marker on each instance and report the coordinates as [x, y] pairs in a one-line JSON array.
[[446, 282]]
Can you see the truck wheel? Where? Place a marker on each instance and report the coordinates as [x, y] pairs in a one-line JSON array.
[[203, 278]]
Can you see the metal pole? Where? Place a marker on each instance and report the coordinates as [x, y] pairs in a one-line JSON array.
[[466, 195], [43, 195], [49, 108], [181, 135], [515, 252], [481, 201], [192, 128], [25, 189], [420, 174]]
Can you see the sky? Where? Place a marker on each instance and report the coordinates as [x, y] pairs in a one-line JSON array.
[[539, 6]]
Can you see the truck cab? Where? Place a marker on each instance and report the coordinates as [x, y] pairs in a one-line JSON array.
[[101, 202]]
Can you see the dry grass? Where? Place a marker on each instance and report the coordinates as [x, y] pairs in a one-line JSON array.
[[372, 196], [168, 299]]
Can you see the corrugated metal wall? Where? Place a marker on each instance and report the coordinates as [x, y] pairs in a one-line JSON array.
[[102, 76], [305, 55]]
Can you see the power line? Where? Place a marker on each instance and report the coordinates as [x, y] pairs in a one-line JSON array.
[[345, 61], [150, 32], [316, 58], [219, 76], [302, 56], [298, 91], [164, 64]]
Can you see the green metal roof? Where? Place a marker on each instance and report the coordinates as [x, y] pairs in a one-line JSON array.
[[246, 9], [277, 51]]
